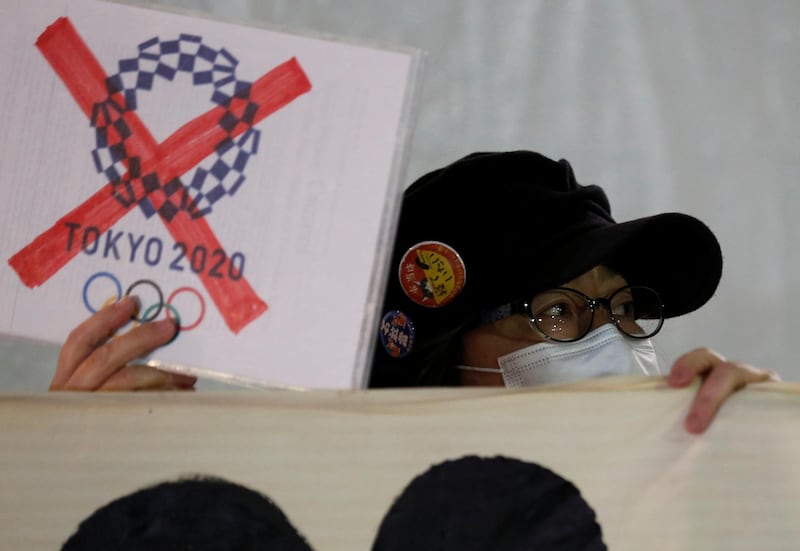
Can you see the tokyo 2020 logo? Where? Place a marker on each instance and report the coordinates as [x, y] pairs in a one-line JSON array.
[[104, 288]]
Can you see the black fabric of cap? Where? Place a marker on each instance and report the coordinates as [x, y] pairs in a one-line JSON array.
[[497, 503], [522, 224]]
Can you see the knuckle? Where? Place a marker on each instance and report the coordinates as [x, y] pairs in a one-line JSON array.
[[100, 358], [74, 336], [148, 336], [698, 358], [726, 378], [709, 353], [728, 369]]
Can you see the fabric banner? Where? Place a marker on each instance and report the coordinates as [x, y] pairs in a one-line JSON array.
[[334, 462]]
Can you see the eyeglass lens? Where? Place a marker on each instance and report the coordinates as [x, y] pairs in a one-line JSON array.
[[565, 315]]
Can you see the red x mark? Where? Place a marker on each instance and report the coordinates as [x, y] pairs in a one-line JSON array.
[[85, 79]]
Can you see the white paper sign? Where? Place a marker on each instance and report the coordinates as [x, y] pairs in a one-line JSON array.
[[240, 179]]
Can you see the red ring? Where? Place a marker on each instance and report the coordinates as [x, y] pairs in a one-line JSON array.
[[202, 306]]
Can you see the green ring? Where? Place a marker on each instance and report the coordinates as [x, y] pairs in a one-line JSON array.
[[169, 307]]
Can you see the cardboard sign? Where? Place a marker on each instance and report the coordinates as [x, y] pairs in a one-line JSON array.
[[240, 180]]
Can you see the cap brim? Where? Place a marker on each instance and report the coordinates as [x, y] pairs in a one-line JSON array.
[[675, 254]]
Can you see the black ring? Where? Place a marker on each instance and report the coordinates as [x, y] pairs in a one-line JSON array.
[[153, 316]]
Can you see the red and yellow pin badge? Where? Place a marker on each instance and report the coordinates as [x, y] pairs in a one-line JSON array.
[[432, 274]]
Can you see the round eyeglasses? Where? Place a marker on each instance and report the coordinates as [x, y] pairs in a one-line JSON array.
[[564, 315]]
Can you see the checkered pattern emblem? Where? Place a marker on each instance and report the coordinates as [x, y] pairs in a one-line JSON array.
[[220, 174]]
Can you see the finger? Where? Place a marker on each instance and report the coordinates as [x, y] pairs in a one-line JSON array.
[[104, 361], [692, 365], [89, 335], [722, 381], [182, 380], [143, 377]]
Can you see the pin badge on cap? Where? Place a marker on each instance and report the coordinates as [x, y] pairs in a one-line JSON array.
[[432, 274], [397, 333]]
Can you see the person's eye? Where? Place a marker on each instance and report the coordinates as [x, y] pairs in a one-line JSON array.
[[625, 309], [557, 310]]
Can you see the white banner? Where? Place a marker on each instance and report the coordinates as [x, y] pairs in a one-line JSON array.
[[335, 462]]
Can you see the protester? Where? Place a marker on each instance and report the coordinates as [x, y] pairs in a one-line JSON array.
[[505, 270]]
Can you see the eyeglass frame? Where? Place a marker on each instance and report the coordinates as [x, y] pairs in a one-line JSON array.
[[523, 306]]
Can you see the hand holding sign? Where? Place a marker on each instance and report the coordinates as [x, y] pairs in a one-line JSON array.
[[91, 359]]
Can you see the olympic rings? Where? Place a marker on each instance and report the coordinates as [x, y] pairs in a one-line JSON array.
[[153, 310]]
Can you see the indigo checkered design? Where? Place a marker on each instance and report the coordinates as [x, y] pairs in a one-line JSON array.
[[218, 175]]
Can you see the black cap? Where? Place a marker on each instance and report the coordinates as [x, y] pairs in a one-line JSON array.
[[521, 223]]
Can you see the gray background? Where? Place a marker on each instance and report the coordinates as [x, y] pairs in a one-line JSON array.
[[688, 106]]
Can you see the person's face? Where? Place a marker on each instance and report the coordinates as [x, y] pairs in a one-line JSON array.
[[482, 346]]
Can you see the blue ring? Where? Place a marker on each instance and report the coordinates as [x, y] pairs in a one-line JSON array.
[[109, 275]]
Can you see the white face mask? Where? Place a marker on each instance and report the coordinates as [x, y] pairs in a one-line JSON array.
[[603, 351]]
